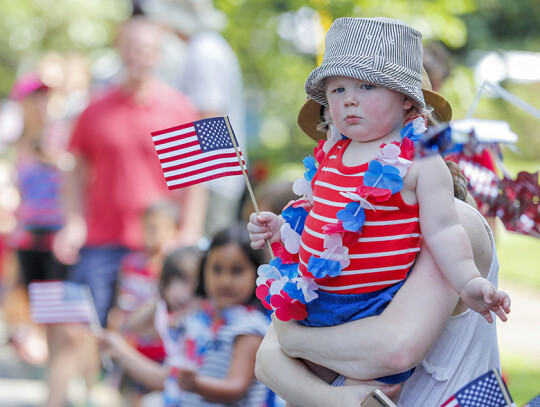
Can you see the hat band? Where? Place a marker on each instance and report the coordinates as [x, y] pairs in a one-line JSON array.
[[392, 76]]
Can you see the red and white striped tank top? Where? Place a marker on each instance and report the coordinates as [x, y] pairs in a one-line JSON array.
[[387, 245]]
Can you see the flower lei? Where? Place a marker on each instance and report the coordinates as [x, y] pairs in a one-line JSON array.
[[280, 286]]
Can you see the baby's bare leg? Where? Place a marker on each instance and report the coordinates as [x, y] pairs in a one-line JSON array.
[[320, 371]]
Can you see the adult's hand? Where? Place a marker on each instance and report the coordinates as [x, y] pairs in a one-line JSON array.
[[68, 241]]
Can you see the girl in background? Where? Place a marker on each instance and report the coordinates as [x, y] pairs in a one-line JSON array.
[[176, 288], [211, 351], [222, 337]]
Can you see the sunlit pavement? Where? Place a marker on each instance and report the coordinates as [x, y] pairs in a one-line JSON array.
[[23, 385], [520, 335]]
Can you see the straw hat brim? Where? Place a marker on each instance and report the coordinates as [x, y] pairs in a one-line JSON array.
[[310, 115]]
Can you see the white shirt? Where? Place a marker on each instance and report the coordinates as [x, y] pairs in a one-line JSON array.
[[466, 349], [212, 79]]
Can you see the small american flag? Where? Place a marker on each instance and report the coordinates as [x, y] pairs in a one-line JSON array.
[[483, 391], [53, 302], [535, 402], [196, 152]]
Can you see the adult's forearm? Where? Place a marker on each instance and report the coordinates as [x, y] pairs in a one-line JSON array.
[[289, 378], [74, 189], [194, 214], [142, 369], [391, 343]]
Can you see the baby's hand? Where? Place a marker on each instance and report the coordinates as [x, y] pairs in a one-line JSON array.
[[481, 296], [262, 226]]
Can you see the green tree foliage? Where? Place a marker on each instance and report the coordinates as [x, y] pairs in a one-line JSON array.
[[270, 38], [28, 28], [265, 34]]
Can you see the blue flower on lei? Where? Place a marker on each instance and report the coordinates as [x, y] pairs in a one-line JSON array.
[[353, 217], [383, 176], [294, 292], [267, 272], [320, 268], [289, 270], [408, 131], [296, 217], [311, 168]]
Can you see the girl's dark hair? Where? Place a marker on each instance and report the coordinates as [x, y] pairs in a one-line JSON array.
[[239, 235], [182, 264]]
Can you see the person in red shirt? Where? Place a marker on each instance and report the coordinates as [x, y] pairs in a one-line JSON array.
[[117, 175]]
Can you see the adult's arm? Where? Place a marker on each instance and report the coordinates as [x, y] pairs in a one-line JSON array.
[[401, 336], [72, 236], [141, 368], [194, 214], [297, 384]]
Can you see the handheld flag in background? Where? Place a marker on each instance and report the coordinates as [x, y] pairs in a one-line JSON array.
[[487, 390], [197, 152], [535, 402], [53, 302]]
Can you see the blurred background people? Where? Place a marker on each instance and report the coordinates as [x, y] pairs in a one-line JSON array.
[[437, 63], [137, 288], [116, 176], [39, 215], [212, 78]]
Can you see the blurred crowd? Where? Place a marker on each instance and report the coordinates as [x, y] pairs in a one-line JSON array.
[[83, 200]]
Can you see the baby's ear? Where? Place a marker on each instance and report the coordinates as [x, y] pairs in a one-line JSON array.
[[407, 103]]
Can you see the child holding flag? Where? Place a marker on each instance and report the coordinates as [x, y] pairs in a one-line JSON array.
[[350, 243]]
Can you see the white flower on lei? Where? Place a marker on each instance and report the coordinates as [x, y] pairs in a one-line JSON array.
[[364, 203], [419, 125], [267, 272], [302, 187], [389, 155], [308, 287], [277, 286], [335, 250], [333, 136], [290, 239]]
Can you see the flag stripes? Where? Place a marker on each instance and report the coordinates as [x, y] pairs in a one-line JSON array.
[[196, 152], [54, 302]]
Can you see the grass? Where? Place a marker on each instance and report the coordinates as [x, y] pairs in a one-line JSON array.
[[522, 377], [519, 256]]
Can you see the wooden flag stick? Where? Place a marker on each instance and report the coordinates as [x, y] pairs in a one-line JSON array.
[[251, 194], [97, 329], [503, 388]]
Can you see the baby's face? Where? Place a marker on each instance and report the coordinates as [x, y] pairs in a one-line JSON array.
[[363, 111]]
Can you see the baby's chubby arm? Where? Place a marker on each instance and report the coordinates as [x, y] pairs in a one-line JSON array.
[[448, 241], [262, 226]]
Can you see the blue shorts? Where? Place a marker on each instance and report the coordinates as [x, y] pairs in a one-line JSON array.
[[335, 309], [98, 268]]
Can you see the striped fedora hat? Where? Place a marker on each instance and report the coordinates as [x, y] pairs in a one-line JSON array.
[[311, 114], [382, 51]]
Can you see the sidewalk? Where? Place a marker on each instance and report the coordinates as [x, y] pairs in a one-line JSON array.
[[520, 335], [23, 385]]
